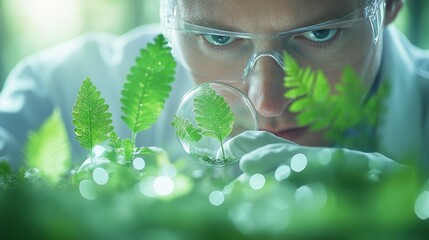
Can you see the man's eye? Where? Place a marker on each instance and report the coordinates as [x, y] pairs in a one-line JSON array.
[[322, 35], [218, 40]]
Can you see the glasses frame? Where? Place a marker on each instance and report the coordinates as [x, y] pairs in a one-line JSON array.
[[373, 11]]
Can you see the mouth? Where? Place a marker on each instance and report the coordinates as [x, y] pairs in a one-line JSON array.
[[290, 134]]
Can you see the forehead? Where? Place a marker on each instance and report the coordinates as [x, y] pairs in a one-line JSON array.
[[262, 15]]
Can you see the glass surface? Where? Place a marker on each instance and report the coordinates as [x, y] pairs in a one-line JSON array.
[[208, 149]]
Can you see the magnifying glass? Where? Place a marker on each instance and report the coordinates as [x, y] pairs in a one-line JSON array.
[[210, 114]]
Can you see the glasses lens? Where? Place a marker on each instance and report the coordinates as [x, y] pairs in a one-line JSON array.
[[214, 56], [332, 48], [211, 56]]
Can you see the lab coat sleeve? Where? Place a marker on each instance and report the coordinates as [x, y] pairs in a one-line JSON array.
[[24, 105], [423, 76]]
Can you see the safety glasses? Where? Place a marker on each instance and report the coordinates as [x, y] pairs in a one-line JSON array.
[[230, 56]]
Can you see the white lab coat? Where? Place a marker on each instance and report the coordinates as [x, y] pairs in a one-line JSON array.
[[404, 132], [52, 78]]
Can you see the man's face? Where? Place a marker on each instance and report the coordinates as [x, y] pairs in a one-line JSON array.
[[264, 84]]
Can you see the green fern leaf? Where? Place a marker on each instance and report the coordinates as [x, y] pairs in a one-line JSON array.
[[321, 90], [310, 92], [305, 83], [375, 104], [128, 149], [299, 105], [148, 86], [91, 118], [213, 115], [186, 130], [318, 108], [48, 149], [114, 141], [349, 100]]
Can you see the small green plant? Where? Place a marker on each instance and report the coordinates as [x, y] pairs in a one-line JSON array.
[[214, 119], [214, 116], [91, 118], [148, 86], [319, 107], [143, 97], [186, 130], [48, 149]]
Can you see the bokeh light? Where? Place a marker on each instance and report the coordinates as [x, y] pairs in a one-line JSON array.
[[421, 207], [163, 185], [100, 176], [298, 162], [139, 163], [98, 150], [216, 198], [257, 181], [87, 189], [282, 173], [146, 187]]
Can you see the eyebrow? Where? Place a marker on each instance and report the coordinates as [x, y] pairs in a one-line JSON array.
[[213, 24]]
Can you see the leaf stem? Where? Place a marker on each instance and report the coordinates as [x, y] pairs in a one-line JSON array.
[[134, 136], [223, 150]]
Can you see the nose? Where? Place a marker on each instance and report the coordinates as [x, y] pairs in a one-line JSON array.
[[266, 89]]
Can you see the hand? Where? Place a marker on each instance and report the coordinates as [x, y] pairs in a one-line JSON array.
[[260, 152]]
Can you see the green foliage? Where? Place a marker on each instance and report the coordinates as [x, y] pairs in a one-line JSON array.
[[128, 149], [148, 86], [308, 102], [214, 116], [133, 203], [214, 119], [91, 118], [186, 130], [114, 140], [143, 96], [8, 179], [337, 111], [48, 149]]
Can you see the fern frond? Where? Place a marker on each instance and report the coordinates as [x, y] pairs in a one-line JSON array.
[[48, 149], [186, 130], [128, 149], [213, 115], [318, 108], [375, 104], [298, 81], [310, 92], [91, 118], [148, 86], [349, 100]]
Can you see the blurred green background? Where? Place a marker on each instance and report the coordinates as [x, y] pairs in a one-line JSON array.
[[27, 26]]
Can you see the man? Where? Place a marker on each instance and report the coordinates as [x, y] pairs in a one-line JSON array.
[[241, 44]]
